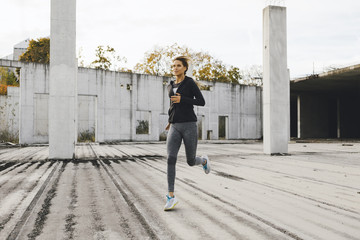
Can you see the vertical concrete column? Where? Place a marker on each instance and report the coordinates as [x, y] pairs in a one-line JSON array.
[[62, 87], [276, 81], [299, 116], [338, 125], [133, 105]]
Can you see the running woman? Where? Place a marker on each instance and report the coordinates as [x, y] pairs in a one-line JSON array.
[[184, 94]]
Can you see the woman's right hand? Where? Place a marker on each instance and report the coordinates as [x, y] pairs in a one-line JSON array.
[[167, 127]]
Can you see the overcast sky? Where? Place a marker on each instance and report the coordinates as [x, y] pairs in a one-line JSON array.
[[320, 32]]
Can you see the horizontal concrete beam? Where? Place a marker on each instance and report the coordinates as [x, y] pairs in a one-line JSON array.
[[10, 63]]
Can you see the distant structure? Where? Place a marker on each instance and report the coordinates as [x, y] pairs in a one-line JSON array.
[[325, 105], [19, 49]]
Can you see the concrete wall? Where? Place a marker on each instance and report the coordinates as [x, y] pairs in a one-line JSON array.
[[9, 111], [240, 104], [113, 104]]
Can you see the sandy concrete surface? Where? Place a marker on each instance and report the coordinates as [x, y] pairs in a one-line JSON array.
[[118, 192]]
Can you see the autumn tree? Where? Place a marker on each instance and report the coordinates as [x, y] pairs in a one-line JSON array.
[[7, 78], [38, 51], [158, 61], [107, 59], [205, 67]]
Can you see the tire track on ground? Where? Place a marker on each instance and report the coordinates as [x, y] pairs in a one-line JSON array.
[[123, 221], [132, 205], [24, 151], [30, 189], [333, 230], [19, 181], [45, 208], [14, 174], [97, 221], [70, 219], [294, 176], [10, 166], [127, 198], [233, 160], [213, 219], [24, 218], [153, 191], [7, 149], [250, 214], [237, 178], [230, 213]]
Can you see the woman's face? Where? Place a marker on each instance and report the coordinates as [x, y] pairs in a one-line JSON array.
[[178, 68]]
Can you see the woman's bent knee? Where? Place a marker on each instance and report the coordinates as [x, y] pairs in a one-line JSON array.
[[191, 162], [171, 160]]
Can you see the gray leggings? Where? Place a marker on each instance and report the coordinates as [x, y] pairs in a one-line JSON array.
[[186, 131]]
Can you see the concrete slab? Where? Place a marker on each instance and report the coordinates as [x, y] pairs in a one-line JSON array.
[[118, 192]]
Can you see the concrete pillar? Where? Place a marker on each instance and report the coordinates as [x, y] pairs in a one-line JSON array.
[[298, 116], [276, 81], [338, 125], [62, 87]]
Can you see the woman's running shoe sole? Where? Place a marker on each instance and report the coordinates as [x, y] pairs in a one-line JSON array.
[[207, 167], [170, 203]]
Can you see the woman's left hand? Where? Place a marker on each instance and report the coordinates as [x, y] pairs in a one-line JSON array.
[[176, 98]]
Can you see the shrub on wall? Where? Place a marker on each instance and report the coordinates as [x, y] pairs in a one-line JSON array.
[[7, 136], [3, 89], [142, 127], [86, 136]]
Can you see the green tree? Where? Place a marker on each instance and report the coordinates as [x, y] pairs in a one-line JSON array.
[[38, 51], [205, 67], [234, 74], [8, 77], [107, 59]]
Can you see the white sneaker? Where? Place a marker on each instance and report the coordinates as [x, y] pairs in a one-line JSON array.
[[206, 167], [170, 203]]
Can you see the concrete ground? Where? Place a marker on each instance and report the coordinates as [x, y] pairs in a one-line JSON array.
[[118, 192]]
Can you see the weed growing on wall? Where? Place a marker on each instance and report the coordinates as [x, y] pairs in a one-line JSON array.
[[86, 136], [7, 136], [142, 127]]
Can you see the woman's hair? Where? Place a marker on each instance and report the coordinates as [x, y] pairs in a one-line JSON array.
[[184, 60]]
